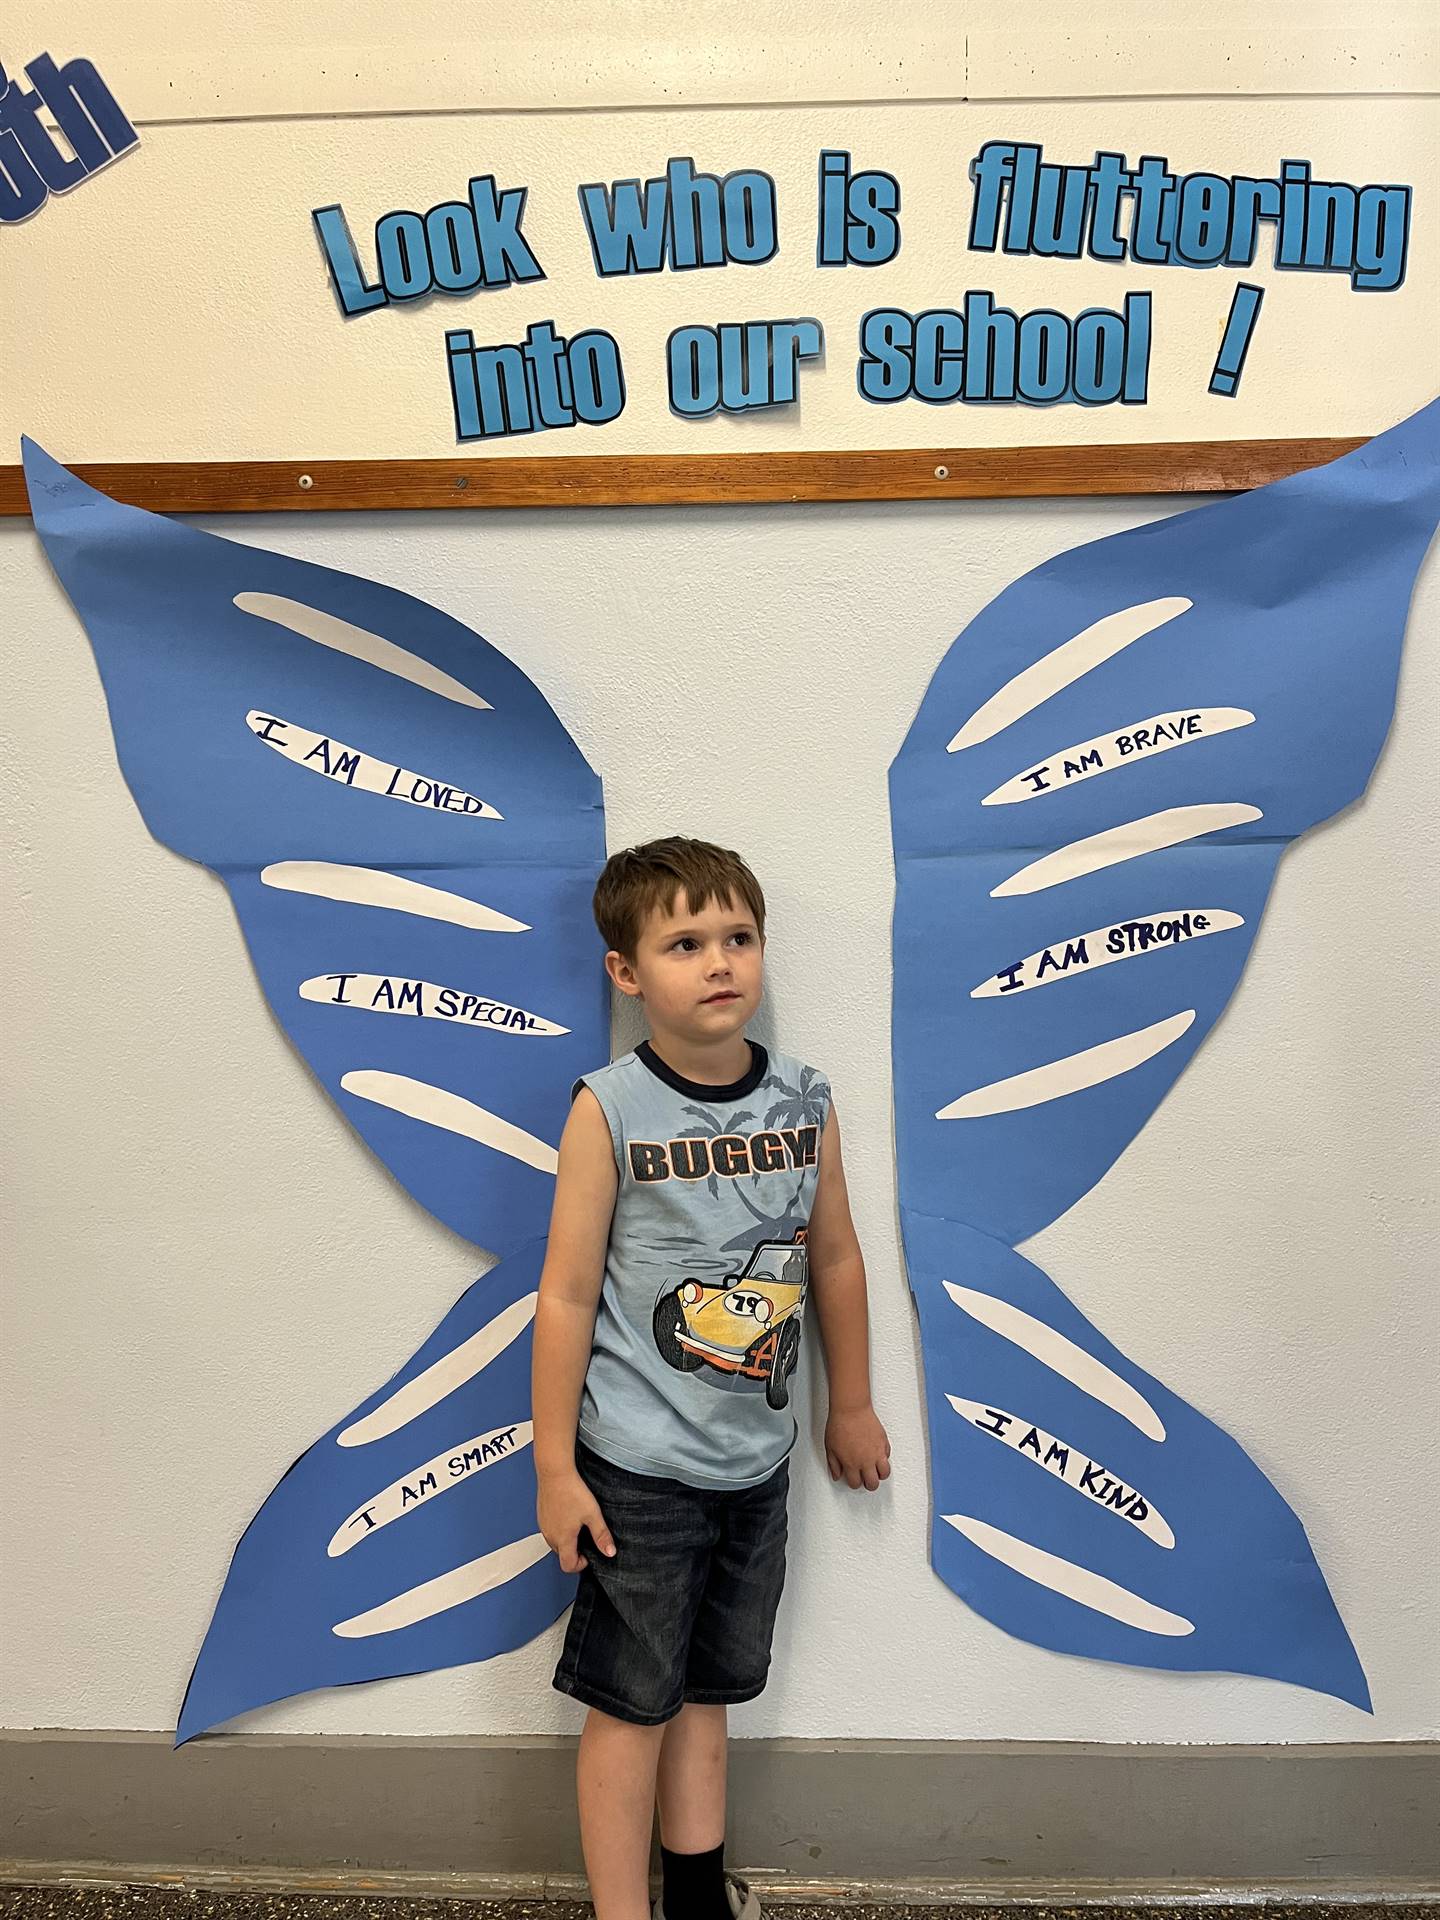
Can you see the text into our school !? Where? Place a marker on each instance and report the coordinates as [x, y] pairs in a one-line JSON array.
[[974, 351]]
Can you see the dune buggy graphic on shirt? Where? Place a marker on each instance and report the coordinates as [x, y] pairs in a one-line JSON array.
[[747, 1323]]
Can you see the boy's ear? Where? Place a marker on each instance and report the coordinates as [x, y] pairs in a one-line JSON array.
[[622, 973]]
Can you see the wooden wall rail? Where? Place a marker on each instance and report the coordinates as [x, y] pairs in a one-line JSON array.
[[692, 479]]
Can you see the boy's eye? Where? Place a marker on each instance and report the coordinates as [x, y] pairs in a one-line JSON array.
[[687, 942]]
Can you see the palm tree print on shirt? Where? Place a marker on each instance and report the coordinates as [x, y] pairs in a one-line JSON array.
[[800, 1105]]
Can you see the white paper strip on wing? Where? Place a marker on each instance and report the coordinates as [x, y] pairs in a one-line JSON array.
[[1063, 665], [329, 630], [438, 1107], [360, 772], [1073, 1073], [1077, 1583], [441, 1377], [422, 999], [374, 887], [1168, 828], [1120, 747], [446, 1590], [1056, 1351], [1128, 939], [424, 1483], [1070, 1464]]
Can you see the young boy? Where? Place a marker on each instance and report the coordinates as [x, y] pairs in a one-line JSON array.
[[700, 1198]]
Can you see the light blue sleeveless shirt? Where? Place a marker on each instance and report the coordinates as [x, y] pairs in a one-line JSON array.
[[700, 1320]]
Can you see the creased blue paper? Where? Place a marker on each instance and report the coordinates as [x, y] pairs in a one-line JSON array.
[[1087, 813], [410, 839]]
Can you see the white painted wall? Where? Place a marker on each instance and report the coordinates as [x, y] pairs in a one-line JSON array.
[[1265, 1247]]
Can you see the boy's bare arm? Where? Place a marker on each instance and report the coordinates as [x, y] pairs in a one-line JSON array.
[[856, 1447], [570, 1281]]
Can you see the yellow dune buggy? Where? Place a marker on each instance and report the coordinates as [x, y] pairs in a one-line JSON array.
[[748, 1323]]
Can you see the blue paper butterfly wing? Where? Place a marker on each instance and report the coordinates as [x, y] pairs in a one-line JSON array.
[[1188, 1598], [1263, 652], [404, 1540], [435, 961], [236, 728]]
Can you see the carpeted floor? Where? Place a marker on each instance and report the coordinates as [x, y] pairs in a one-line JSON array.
[[121, 1902]]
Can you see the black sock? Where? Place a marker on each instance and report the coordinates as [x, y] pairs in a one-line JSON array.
[[694, 1885]]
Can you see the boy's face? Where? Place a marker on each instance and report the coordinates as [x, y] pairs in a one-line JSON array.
[[699, 974]]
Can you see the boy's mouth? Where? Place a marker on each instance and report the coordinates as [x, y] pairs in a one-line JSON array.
[[711, 999]]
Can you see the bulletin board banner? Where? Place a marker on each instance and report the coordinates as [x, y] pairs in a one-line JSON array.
[[989, 297]]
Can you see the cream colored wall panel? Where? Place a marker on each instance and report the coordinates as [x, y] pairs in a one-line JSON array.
[[168, 60], [1239, 49], [177, 306]]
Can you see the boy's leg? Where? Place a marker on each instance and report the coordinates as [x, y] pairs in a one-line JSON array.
[[624, 1655], [615, 1787], [727, 1660], [691, 1782], [691, 1779]]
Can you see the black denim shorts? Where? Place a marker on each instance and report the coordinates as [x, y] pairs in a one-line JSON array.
[[686, 1608]]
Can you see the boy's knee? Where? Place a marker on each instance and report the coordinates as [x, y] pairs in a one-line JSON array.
[[703, 1713], [611, 1726]]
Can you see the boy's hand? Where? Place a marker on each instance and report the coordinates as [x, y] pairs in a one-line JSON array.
[[857, 1450], [566, 1505]]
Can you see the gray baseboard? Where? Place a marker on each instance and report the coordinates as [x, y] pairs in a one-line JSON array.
[[985, 1815]]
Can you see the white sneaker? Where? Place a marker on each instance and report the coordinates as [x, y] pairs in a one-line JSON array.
[[743, 1903]]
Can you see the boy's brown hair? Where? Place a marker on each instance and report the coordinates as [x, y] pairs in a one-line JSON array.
[[639, 880]]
